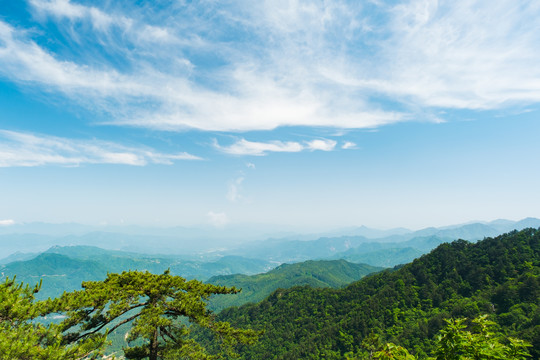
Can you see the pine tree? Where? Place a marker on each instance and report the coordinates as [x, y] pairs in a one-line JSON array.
[[161, 310], [23, 336]]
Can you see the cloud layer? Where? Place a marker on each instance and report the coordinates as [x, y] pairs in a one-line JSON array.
[[24, 149], [260, 65]]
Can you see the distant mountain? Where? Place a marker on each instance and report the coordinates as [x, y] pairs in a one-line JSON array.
[[202, 244], [289, 250], [335, 274], [390, 254], [478, 230], [59, 273], [65, 268], [24, 243], [385, 258], [281, 251], [526, 223], [18, 256]]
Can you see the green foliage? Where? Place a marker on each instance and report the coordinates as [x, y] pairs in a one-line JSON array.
[[482, 342], [160, 308], [407, 306], [57, 272], [336, 273], [385, 257], [24, 337], [391, 351]]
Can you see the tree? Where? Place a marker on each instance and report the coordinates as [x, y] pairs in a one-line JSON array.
[[160, 308], [481, 343], [25, 337], [455, 342]]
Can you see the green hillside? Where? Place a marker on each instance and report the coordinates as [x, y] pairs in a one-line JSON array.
[[384, 258], [58, 273], [335, 274], [65, 268], [497, 276]]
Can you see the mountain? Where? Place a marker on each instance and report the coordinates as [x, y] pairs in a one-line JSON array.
[[334, 273], [388, 257], [421, 241], [185, 266], [65, 268], [407, 305], [58, 273], [18, 256], [389, 254], [288, 251], [256, 241]]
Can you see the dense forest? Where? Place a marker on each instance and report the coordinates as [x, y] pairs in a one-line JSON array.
[[407, 305], [317, 274]]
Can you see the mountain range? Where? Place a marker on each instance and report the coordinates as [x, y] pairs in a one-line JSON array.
[[212, 243]]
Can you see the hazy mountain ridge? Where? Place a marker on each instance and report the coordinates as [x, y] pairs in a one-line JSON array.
[[231, 240], [352, 247]]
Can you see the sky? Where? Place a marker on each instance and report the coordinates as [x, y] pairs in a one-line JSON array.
[[306, 114]]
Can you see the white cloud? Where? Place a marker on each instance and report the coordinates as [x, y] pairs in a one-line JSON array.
[[306, 63], [218, 219], [7, 222], [348, 145], [233, 194], [245, 147], [321, 144], [250, 165], [24, 149]]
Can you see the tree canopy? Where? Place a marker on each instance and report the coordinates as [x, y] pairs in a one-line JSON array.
[[457, 341], [159, 310], [24, 337]]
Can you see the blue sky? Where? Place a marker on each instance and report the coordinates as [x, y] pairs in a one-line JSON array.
[[311, 114]]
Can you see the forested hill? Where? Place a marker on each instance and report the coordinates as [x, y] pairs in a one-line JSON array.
[[322, 273], [497, 276]]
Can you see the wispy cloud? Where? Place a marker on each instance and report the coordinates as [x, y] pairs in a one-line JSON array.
[[348, 145], [233, 194], [247, 92], [255, 148], [465, 55], [7, 222], [262, 65], [24, 149]]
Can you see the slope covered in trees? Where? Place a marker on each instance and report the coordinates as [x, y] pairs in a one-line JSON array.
[[385, 257], [335, 274], [407, 306]]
